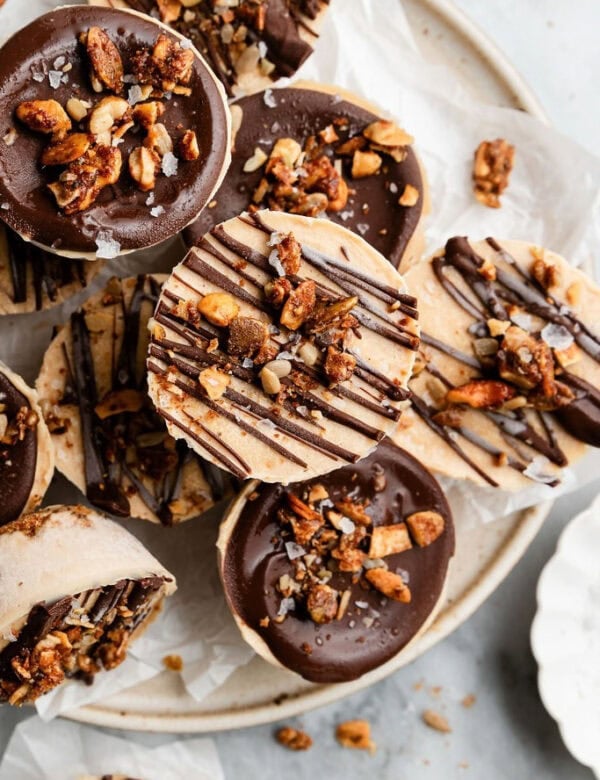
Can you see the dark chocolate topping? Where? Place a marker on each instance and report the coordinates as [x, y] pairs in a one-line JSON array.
[[121, 210], [300, 113], [580, 417], [45, 272], [348, 648], [17, 461]]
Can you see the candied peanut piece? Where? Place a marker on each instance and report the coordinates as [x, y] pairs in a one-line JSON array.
[[349, 559], [85, 178], [426, 527], [44, 116], [277, 290], [108, 113], [365, 164], [389, 540], [173, 662], [436, 721], [158, 139], [410, 196], [143, 166], [299, 305], [354, 510], [105, 59], [290, 254], [386, 133], [546, 274], [65, 151], [148, 114], [188, 146], [481, 393], [355, 734], [390, 584], [523, 359], [350, 146], [322, 604], [214, 382], [247, 336], [327, 315], [293, 739], [170, 10], [492, 166], [285, 149], [339, 366], [220, 309]]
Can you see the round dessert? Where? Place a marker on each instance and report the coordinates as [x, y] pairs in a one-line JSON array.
[[505, 391], [333, 577], [26, 454], [117, 132], [32, 279], [248, 44], [282, 347], [107, 437], [320, 151], [62, 621]]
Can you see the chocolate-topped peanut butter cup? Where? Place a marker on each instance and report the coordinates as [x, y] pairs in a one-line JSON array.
[[248, 44], [281, 347], [33, 279], [333, 577], [76, 590], [26, 455], [319, 151], [117, 132], [505, 391], [108, 438]]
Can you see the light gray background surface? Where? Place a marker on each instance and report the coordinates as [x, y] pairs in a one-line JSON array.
[[506, 734]]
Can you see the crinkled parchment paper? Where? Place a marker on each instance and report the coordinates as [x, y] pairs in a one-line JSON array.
[[65, 751], [553, 200]]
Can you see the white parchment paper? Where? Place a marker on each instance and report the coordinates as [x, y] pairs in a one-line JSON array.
[[65, 751], [553, 200]]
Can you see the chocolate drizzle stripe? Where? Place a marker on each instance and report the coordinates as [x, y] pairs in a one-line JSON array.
[[468, 360], [203, 269], [238, 267], [243, 250]]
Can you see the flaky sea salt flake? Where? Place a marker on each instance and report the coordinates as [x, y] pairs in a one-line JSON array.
[[170, 164]]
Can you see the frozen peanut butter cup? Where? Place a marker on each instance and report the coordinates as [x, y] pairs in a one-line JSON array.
[[76, 590], [505, 391], [248, 44], [282, 347], [107, 436], [333, 577], [26, 454], [116, 132], [32, 279], [320, 151]]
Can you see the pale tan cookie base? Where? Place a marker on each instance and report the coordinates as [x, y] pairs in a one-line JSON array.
[[61, 551], [393, 360], [252, 637], [440, 316], [8, 306], [44, 468], [196, 495]]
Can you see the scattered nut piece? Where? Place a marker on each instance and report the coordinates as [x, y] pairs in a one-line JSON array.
[[290, 254], [299, 305], [214, 382], [293, 739], [309, 353], [546, 274], [188, 146], [277, 290], [322, 604], [158, 139], [436, 721], [317, 492], [247, 336], [143, 167], [119, 401], [147, 114], [339, 366], [469, 700], [355, 734], [390, 584], [270, 381], [286, 149], [498, 327], [365, 164], [389, 540], [77, 109], [574, 291], [386, 133], [410, 196], [105, 58], [425, 527], [491, 171], [255, 162], [173, 662], [67, 150], [219, 309], [481, 393], [44, 116]]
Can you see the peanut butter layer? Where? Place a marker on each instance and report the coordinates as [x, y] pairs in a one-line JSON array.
[[281, 347], [117, 132], [505, 391]]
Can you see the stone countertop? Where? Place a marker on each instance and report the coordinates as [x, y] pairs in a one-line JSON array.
[[506, 733]]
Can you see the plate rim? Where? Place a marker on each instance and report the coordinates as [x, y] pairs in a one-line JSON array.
[[506, 557]]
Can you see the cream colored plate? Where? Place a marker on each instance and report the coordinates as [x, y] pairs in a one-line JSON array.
[[259, 693]]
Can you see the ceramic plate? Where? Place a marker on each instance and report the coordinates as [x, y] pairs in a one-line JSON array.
[[259, 693], [565, 636]]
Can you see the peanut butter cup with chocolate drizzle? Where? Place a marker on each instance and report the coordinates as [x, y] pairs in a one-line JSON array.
[[26, 455], [505, 391], [117, 132], [282, 346], [107, 436], [333, 577], [319, 151], [32, 279], [248, 44]]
